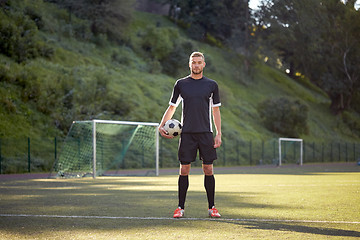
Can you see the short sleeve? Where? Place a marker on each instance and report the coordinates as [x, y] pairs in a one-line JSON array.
[[216, 97], [175, 97]]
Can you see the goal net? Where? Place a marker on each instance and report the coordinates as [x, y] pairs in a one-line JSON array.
[[101, 147], [290, 150]]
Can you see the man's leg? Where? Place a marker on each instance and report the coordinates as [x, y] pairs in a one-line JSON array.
[[183, 184], [209, 183]]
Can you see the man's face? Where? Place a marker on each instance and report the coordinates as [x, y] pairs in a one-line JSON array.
[[196, 65]]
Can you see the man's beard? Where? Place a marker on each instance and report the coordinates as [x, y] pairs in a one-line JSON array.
[[198, 72]]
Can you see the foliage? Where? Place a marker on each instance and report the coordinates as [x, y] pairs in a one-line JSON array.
[[107, 17], [164, 45], [318, 39], [284, 116], [353, 121], [19, 39], [159, 41], [212, 20], [129, 81]]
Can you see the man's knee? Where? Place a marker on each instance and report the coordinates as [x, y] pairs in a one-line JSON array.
[[208, 169], [185, 169]]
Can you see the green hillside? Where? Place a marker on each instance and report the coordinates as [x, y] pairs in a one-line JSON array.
[[81, 78]]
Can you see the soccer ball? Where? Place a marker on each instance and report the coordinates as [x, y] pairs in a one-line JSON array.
[[173, 127]]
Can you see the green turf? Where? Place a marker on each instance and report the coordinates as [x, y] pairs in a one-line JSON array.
[[309, 202]]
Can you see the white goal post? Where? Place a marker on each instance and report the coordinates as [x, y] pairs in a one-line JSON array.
[[291, 140], [126, 123]]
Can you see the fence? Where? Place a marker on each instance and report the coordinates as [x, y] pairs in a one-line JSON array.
[[21, 155], [38, 155], [239, 152]]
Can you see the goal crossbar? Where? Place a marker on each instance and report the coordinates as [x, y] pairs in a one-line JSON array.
[[121, 122], [291, 140]]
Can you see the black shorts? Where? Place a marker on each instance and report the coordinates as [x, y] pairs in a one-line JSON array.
[[190, 143]]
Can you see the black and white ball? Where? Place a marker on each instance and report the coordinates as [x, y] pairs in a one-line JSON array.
[[173, 127]]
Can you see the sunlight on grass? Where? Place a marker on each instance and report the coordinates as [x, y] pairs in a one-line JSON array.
[[266, 200]]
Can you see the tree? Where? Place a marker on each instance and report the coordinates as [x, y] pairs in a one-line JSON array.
[[318, 38], [217, 18], [343, 53]]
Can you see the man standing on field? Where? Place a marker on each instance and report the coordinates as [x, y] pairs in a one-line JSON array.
[[200, 97]]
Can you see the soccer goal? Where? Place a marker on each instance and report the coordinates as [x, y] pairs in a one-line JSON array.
[[291, 148], [101, 147]]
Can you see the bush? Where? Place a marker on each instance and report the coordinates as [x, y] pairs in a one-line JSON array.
[[31, 87], [212, 40], [159, 42], [117, 57], [6, 75], [283, 116], [355, 101], [164, 45], [106, 17], [82, 30], [154, 66], [18, 38], [8, 104], [35, 16], [352, 120], [177, 59]]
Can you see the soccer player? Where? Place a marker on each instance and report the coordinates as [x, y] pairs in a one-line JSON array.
[[200, 97]]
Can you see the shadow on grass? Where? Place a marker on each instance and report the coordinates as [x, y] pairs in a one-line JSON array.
[[296, 228], [131, 197], [55, 227]]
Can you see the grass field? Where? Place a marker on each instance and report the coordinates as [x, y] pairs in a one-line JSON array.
[[291, 202]]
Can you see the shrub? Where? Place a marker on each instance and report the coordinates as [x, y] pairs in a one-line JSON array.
[[212, 40], [106, 17], [164, 45], [30, 86], [18, 38], [159, 42], [120, 58], [352, 120], [35, 16], [177, 58], [6, 75], [283, 116], [155, 66], [355, 101], [8, 104], [82, 30]]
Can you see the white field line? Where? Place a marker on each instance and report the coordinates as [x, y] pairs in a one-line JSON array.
[[186, 219]]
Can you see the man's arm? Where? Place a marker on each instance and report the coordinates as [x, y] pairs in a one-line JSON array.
[[217, 121], [167, 116]]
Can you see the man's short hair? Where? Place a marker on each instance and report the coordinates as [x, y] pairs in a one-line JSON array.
[[197, 54]]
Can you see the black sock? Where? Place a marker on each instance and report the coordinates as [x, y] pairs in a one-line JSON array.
[[183, 185], [209, 183]]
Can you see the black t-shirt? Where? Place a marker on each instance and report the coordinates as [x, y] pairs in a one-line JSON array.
[[198, 96]]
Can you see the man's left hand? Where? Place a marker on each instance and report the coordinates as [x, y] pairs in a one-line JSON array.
[[217, 141]]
